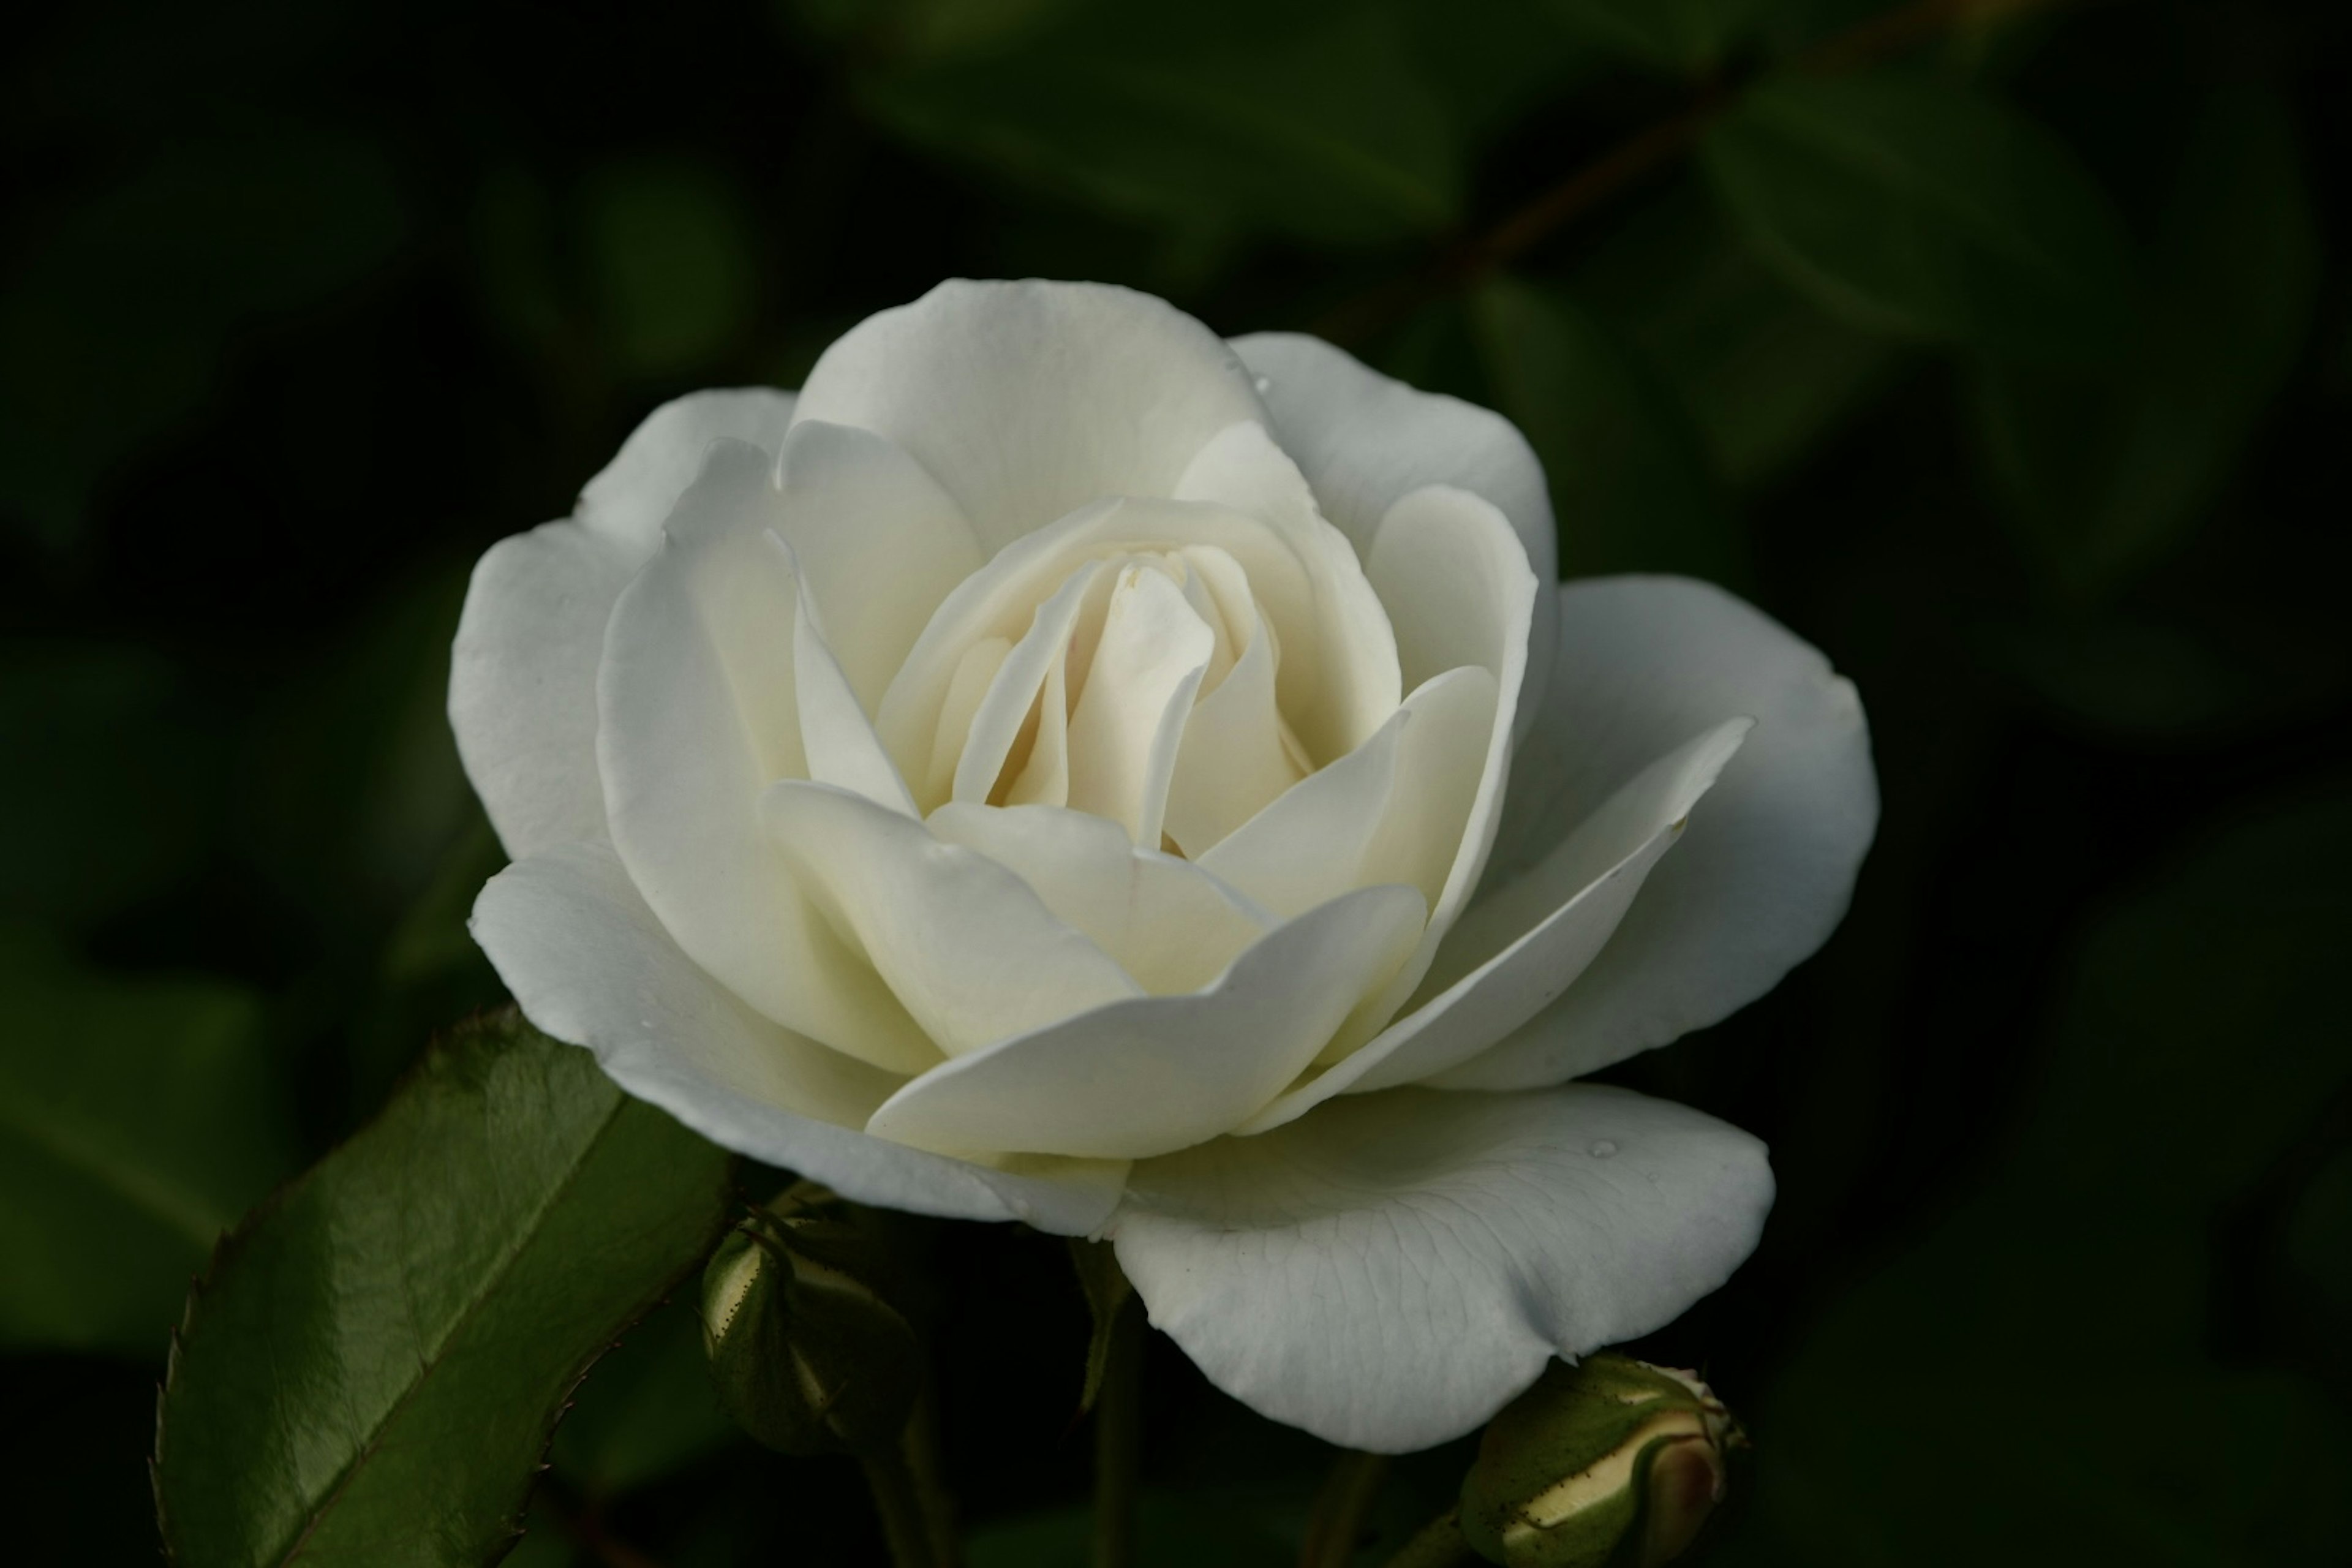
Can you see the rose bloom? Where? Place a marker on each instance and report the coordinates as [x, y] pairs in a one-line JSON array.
[[1062, 766]]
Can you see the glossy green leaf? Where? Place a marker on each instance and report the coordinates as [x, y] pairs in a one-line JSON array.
[[2046, 1338], [1913, 208], [371, 1371], [1767, 374], [138, 1117], [1629, 482], [1324, 129], [2105, 476]]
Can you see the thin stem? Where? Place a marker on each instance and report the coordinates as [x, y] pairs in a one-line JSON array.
[[1118, 1439], [899, 1501], [1337, 1523], [920, 1444], [1439, 1545]]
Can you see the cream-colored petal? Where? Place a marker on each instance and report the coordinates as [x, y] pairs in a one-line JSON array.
[[1235, 759], [974, 955], [836, 737], [1000, 599], [968, 687], [590, 964], [629, 499], [1132, 710], [1014, 693], [1343, 682], [880, 545], [1171, 925], [1518, 949], [1028, 399], [1162, 1073], [698, 714]]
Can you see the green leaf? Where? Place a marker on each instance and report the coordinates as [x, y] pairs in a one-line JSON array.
[[2106, 476], [1765, 374], [2045, 1343], [1323, 129], [1913, 208], [1630, 482], [116, 328], [372, 1369], [138, 1117]]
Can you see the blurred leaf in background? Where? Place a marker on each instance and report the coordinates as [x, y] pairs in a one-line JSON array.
[[2106, 475], [138, 1117]]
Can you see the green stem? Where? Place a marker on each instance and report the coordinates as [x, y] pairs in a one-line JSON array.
[[1118, 1439], [1337, 1524], [899, 1500], [1439, 1545], [920, 1443]]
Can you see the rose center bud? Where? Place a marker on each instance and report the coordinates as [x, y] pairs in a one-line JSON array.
[[1141, 687]]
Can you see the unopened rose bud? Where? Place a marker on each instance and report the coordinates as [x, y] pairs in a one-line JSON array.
[[807, 1352], [1612, 1462]]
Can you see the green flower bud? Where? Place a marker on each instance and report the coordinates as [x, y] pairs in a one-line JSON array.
[[807, 1352], [1612, 1463]]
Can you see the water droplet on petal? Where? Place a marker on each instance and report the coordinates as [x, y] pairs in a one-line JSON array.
[[1265, 384], [1602, 1149]]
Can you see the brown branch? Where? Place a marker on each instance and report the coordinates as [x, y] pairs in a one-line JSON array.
[[1645, 153]]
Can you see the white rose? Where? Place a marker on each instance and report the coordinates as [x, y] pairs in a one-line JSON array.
[[1065, 767]]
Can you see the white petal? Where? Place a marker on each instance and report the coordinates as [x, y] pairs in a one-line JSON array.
[[522, 682], [1366, 441], [836, 737], [1014, 691], [1389, 1272], [1160, 1073], [627, 502], [1138, 694], [1000, 600], [1518, 949], [1235, 760], [1168, 923], [590, 964], [879, 543], [1460, 593], [698, 714], [1763, 872], [1027, 400], [971, 953], [1341, 683], [1378, 814]]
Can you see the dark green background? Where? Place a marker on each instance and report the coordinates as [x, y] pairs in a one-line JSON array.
[[2012, 367]]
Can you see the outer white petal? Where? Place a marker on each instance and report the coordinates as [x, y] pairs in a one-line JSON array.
[[522, 682], [970, 951], [880, 545], [1366, 441], [1461, 596], [1389, 1272], [698, 712], [523, 674], [627, 501], [1763, 874], [1518, 949], [1160, 1073], [1027, 400], [1170, 924], [590, 964]]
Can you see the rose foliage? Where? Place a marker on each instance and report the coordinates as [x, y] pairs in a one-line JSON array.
[[1061, 766]]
